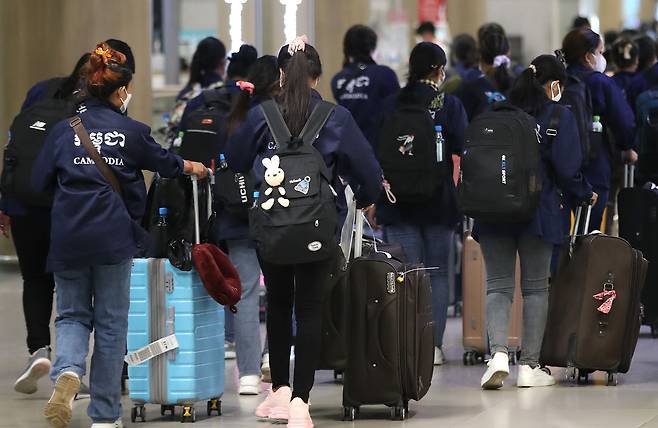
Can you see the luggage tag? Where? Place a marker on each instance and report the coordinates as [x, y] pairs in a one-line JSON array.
[[152, 350]]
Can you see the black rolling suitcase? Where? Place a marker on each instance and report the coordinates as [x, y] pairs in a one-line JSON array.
[[594, 306], [390, 340], [638, 224]]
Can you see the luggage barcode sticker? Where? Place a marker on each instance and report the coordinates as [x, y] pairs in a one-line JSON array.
[[152, 350]]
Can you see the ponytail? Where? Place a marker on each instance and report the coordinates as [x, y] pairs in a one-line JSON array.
[[494, 48], [298, 70], [528, 91]]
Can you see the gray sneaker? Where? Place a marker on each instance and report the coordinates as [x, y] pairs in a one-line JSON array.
[[37, 367]]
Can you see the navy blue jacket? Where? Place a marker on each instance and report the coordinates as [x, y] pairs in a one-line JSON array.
[[623, 79], [609, 103], [478, 94], [642, 82], [345, 150], [561, 168], [91, 224], [361, 88], [442, 209]]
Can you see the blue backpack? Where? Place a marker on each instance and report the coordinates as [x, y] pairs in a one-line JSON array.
[[646, 108]]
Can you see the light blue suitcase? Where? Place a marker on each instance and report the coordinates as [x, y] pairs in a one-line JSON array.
[[166, 301]]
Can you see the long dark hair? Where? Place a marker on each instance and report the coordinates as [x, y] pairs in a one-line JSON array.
[[528, 91], [464, 51], [493, 43], [264, 75], [426, 59], [578, 43], [298, 70], [209, 55], [73, 81], [646, 52], [359, 43]]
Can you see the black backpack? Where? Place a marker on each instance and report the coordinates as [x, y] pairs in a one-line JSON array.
[[500, 178], [578, 99], [234, 191], [295, 221], [205, 128], [407, 154], [28, 133]]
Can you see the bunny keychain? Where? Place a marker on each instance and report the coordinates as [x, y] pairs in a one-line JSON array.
[[274, 177]]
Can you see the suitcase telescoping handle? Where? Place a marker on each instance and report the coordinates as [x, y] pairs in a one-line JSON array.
[[629, 176], [578, 222], [195, 198]]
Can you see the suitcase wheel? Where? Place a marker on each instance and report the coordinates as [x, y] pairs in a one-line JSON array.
[[138, 412], [570, 374], [472, 358], [350, 413], [214, 405], [188, 415], [612, 379], [338, 374], [583, 377], [164, 409], [399, 413]]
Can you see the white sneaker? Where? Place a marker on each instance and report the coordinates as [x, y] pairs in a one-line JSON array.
[[439, 358], [497, 371], [529, 377], [250, 385], [116, 424], [229, 351], [265, 369], [60, 406]]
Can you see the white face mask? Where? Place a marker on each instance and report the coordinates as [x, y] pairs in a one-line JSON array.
[[557, 97], [124, 103], [600, 63]]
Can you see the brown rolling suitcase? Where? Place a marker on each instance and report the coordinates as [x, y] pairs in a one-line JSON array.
[[474, 316], [594, 308]]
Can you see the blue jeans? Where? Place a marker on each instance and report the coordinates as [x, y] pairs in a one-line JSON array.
[[499, 253], [246, 322], [427, 244], [94, 298]]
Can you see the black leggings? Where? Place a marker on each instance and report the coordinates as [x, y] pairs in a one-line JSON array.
[[31, 234], [299, 286]]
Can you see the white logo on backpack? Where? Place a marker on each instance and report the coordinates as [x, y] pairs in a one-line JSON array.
[[315, 246], [38, 125]]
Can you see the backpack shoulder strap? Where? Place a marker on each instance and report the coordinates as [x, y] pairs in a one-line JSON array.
[[275, 122], [316, 121]]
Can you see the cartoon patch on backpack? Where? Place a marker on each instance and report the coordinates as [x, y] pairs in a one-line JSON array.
[[274, 177]]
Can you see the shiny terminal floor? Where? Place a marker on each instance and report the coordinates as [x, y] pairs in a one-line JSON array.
[[455, 400]]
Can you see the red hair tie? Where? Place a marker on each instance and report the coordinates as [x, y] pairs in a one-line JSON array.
[[246, 86]]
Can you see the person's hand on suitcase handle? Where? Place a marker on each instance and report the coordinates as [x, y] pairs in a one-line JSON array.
[[195, 168], [594, 198], [629, 156]]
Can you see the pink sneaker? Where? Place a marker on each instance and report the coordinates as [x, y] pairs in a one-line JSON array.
[[299, 415], [275, 406]]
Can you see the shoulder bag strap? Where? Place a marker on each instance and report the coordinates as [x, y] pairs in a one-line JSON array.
[[85, 140], [316, 121], [553, 124], [275, 122]]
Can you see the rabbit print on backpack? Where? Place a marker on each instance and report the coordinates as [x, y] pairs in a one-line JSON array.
[[274, 177]]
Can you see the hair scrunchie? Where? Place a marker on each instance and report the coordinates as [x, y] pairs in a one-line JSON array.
[[533, 68], [501, 60], [246, 86]]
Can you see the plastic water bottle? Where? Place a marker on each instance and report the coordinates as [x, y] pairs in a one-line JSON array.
[[222, 161], [439, 143], [162, 220], [256, 196], [597, 126]]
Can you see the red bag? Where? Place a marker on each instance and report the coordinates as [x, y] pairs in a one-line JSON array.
[[219, 276]]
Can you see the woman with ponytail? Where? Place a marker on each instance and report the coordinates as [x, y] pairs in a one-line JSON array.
[[625, 55], [496, 77], [362, 84], [425, 230], [96, 233], [536, 91], [583, 53], [349, 156]]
